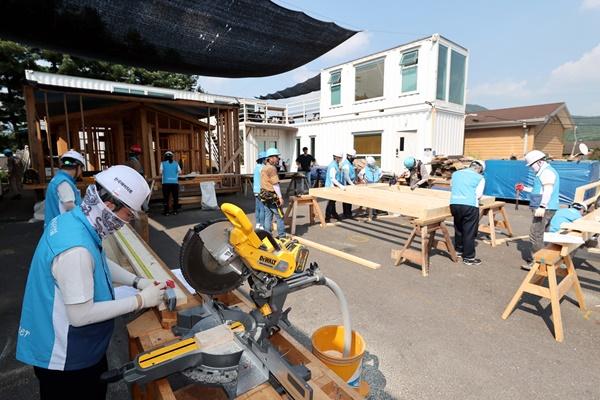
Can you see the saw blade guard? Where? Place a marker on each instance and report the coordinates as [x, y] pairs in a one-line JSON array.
[[207, 260]]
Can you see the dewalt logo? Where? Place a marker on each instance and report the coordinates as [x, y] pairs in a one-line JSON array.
[[267, 262]]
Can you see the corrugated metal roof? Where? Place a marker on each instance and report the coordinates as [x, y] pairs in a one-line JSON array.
[[77, 82], [535, 114]]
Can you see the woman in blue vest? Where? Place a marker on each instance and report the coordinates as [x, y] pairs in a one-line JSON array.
[[62, 194], [467, 187], [334, 178], [170, 170], [543, 201], [69, 304], [259, 207]]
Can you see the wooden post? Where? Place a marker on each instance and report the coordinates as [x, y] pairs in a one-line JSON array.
[[34, 134], [82, 130], [157, 141], [120, 143], [67, 121], [48, 134]]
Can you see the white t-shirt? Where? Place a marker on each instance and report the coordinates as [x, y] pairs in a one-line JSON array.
[[65, 195], [73, 271]]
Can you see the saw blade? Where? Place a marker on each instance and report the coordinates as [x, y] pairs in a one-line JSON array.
[[207, 263]]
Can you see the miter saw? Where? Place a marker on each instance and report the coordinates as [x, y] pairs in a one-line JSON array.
[[226, 346]]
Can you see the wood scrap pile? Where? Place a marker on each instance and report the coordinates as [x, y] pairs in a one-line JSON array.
[[444, 166]]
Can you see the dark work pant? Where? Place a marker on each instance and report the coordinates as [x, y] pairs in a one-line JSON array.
[[170, 189], [466, 225], [347, 209], [330, 210], [536, 234], [63, 384]]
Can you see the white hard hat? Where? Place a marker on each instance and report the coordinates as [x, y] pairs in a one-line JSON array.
[[72, 155], [370, 160], [481, 163], [168, 153], [125, 184], [352, 153], [533, 156], [338, 154]]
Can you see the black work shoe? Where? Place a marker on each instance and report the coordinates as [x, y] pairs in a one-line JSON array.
[[338, 217], [471, 261]]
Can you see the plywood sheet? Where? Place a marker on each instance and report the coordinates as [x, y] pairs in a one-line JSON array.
[[439, 194]]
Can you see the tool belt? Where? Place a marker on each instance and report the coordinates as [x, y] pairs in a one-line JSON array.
[[267, 197]]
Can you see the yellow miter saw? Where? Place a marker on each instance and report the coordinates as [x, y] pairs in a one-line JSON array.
[[224, 345]]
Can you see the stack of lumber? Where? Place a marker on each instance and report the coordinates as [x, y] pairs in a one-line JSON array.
[[444, 166]]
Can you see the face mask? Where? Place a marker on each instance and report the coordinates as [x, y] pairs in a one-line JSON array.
[[536, 166], [104, 221]]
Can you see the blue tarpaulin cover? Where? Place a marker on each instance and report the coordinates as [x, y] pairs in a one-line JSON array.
[[502, 175]]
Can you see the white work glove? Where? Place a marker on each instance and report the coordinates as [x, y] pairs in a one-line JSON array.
[[144, 283], [539, 212], [153, 295]]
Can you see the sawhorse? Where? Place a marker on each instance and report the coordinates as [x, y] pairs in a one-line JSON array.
[[298, 184], [313, 211], [426, 229], [491, 211], [547, 265]]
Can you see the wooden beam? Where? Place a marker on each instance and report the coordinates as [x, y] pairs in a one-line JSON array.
[[33, 133], [177, 114], [67, 121], [145, 136], [119, 143], [157, 150], [338, 253], [95, 112]]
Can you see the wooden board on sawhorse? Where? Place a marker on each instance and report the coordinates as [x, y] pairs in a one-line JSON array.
[[547, 266], [291, 212], [426, 229], [491, 211]]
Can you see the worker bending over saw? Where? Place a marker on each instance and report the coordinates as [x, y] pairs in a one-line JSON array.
[[62, 194], [467, 188], [270, 192], [566, 215], [543, 201], [417, 174], [69, 305], [334, 178]]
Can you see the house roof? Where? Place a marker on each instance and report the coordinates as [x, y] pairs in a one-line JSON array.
[[517, 116]]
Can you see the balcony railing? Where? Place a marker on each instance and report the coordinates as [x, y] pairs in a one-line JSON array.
[[292, 113]]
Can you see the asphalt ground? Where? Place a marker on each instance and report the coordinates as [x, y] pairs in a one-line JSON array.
[[439, 337]]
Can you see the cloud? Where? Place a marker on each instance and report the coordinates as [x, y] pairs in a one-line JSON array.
[[302, 73], [590, 4], [354, 46], [504, 89], [579, 73]]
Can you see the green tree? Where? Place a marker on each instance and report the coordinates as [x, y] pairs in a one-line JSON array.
[[16, 58]]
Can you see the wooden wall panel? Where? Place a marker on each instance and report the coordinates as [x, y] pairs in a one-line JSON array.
[[550, 139], [495, 143]]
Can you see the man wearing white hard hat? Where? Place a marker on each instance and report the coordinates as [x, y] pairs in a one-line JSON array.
[[169, 172], [348, 178], [69, 305], [466, 190], [543, 201], [334, 179], [62, 194]]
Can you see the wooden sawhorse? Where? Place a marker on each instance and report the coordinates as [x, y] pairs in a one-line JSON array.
[[426, 229], [313, 211], [547, 265], [491, 211]]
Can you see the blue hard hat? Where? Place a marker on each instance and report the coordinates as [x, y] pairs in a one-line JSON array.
[[409, 162], [272, 152], [261, 155], [7, 152]]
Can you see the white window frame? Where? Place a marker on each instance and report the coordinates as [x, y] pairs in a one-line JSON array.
[[333, 84], [363, 63], [404, 67]]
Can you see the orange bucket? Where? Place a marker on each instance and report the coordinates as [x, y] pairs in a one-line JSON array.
[[328, 346]]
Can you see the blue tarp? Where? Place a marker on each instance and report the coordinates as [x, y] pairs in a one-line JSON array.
[[502, 175]]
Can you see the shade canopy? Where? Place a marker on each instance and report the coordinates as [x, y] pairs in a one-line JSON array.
[[228, 38], [309, 85]]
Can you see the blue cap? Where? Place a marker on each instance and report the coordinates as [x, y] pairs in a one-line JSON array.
[[409, 162], [261, 156], [7, 152], [272, 152]]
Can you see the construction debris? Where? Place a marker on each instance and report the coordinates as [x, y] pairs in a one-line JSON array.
[[444, 166]]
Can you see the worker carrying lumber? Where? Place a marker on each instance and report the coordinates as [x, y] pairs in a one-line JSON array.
[[169, 171], [416, 174], [135, 151], [62, 193], [69, 305], [371, 173], [565, 215], [334, 178], [348, 177], [270, 192], [467, 188], [259, 208], [543, 201], [15, 174]]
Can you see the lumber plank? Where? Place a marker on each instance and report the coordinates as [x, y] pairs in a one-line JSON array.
[[440, 194], [338, 253]]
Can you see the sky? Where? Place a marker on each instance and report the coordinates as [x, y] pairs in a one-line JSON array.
[[522, 52]]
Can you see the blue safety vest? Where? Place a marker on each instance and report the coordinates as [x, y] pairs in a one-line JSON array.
[[170, 172], [338, 173], [52, 203], [351, 170], [45, 337], [536, 193], [372, 174], [464, 185], [563, 215], [256, 179]]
